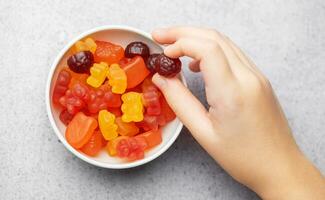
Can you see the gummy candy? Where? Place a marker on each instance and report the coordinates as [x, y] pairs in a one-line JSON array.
[[137, 49], [166, 111], [94, 144], [61, 85], [108, 52], [75, 98], [167, 66], [81, 62], [103, 98], [126, 128], [151, 97], [132, 107], [111, 145], [149, 122], [86, 45], [107, 124], [117, 79], [153, 137], [135, 70], [131, 148], [150, 64], [98, 73], [80, 130], [65, 117]]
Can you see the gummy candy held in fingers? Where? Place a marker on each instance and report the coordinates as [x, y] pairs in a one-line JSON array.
[[166, 66], [132, 107], [107, 124], [61, 85], [81, 62], [150, 64], [136, 71], [108, 52], [126, 128], [98, 73], [86, 45], [94, 144], [117, 79], [80, 130], [137, 49]]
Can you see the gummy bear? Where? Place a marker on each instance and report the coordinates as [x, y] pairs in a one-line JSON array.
[[111, 145], [117, 79], [98, 73], [149, 122], [94, 144], [108, 52], [80, 130], [61, 85], [151, 97], [131, 148], [86, 45], [65, 117], [103, 98], [126, 128], [107, 124], [135, 70], [132, 107], [75, 98]]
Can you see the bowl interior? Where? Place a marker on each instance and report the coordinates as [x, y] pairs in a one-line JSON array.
[[121, 36]]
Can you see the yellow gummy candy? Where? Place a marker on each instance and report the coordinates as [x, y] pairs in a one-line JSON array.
[[132, 107], [98, 73], [87, 45], [117, 79], [107, 126]]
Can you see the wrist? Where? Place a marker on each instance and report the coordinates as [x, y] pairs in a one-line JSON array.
[[295, 179]]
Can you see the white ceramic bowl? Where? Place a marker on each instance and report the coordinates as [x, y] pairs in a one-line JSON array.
[[121, 35]]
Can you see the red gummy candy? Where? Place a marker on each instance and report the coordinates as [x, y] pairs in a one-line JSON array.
[[131, 148], [65, 117], [149, 122], [61, 85], [103, 98], [150, 97], [75, 98]]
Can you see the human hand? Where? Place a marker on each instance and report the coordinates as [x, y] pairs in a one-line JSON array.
[[245, 129]]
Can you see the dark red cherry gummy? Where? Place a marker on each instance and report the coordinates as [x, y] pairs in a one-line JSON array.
[[137, 49], [81, 62], [151, 62], [167, 66]]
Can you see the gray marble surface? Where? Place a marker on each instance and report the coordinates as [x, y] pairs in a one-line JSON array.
[[285, 38]]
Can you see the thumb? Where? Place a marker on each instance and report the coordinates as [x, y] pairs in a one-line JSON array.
[[187, 108]]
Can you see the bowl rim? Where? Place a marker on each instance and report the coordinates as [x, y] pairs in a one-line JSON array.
[[51, 117]]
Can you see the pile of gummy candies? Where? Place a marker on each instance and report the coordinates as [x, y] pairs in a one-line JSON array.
[[107, 100]]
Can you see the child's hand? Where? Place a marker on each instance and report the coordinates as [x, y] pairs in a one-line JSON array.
[[245, 129]]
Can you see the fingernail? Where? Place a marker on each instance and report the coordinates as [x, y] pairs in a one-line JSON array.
[[159, 81]]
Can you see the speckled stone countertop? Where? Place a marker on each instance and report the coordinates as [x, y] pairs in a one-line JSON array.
[[286, 39]]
